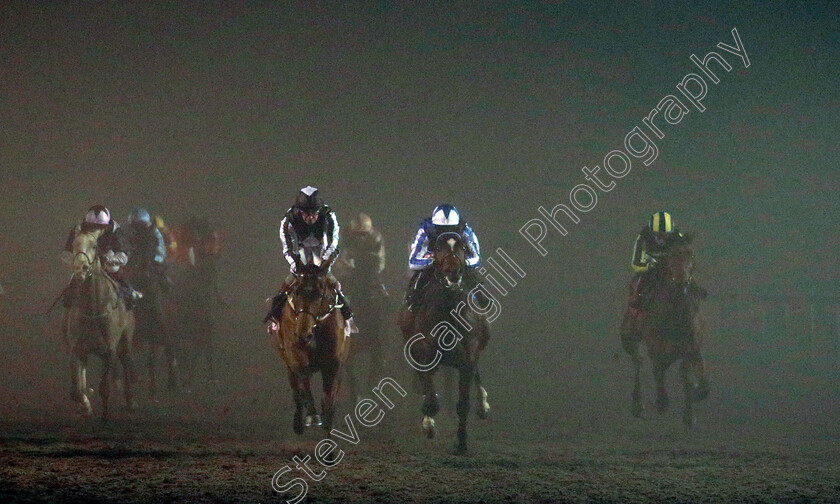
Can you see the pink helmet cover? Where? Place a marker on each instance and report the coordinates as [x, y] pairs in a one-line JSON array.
[[98, 215]]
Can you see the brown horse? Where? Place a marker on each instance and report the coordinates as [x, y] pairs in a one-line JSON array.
[[672, 329], [432, 337], [311, 338], [98, 323]]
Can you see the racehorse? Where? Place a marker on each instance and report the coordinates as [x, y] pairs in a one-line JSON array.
[[371, 303], [192, 305], [153, 330], [311, 338], [432, 321], [672, 328], [98, 323]]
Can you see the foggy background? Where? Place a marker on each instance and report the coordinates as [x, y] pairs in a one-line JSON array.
[[226, 110]]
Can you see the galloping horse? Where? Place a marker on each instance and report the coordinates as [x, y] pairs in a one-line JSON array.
[[432, 321], [97, 322], [672, 329], [152, 330], [193, 304], [311, 338], [371, 303]]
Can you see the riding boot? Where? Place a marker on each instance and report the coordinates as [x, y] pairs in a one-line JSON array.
[[128, 293], [277, 303], [414, 286]]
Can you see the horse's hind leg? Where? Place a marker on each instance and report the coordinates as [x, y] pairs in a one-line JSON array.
[[465, 379], [483, 407], [431, 405]]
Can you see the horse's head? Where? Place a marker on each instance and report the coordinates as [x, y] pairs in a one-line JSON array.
[[678, 262], [84, 253], [311, 299], [449, 259]]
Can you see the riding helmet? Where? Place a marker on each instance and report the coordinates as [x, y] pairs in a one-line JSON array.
[[661, 222], [445, 215]]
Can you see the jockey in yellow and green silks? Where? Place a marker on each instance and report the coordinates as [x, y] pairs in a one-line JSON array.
[[652, 240]]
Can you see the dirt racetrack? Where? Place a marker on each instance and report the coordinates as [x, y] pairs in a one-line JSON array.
[[169, 457]]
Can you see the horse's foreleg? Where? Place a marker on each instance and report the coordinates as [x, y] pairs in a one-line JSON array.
[[630, 342], [431, 405], [700, 389], [483, 407], [79, 375], [105, 382], [171, 367], [210, 351], [465, 379], [688, 390], [330, 381], [150, 363], [350, 373], [312, 416], [127, 363], [659, 368], [636, 406], [299, 395]]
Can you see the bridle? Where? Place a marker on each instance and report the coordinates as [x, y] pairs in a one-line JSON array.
[[295, 312], [85, 273], [441, 277]]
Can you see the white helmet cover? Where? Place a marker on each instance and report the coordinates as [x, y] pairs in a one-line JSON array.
[[445, 215]]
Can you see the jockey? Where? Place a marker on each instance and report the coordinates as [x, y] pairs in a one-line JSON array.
[[445, 218], [652, 241], [364, 250], [110, 248], [148, 248], [309, 232]]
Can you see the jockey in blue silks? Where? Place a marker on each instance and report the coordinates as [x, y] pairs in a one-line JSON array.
[[445, 219]]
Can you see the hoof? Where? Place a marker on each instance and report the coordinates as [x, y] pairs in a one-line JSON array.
[[429, 427], [85, 409], [312, 421], [662, 403], [636, 409], [483, 406], [460, 448], [297, 423], [700, 392]]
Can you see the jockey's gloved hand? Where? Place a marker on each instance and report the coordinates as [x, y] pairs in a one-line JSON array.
[[116, 258]]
